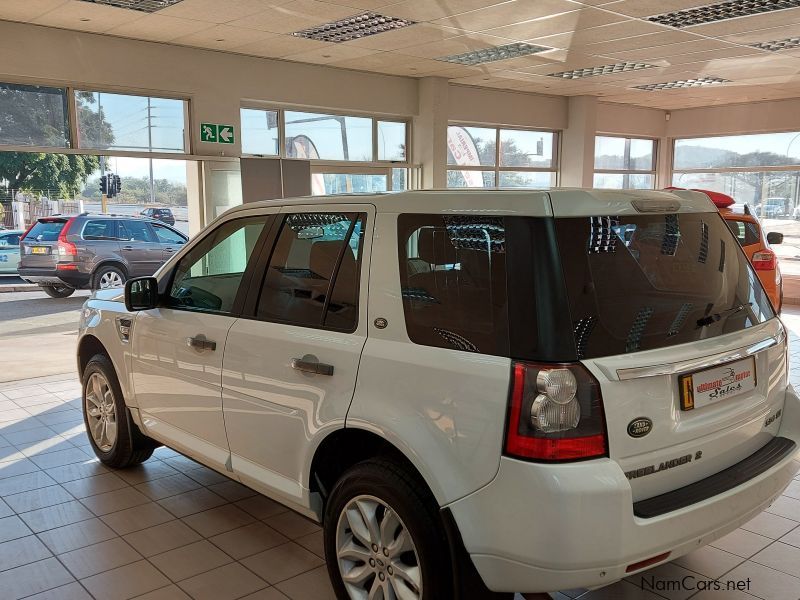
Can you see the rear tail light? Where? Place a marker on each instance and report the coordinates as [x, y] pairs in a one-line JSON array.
[[765, 260], [66, 248], [555, 413]]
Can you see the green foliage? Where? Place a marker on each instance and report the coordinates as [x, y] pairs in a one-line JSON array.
[[64, 173], [136, 190]]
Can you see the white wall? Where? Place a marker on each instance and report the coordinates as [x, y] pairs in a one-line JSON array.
[[498, 107], [754, 117]]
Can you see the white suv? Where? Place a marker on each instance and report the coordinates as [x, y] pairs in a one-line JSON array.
[[522, 390]]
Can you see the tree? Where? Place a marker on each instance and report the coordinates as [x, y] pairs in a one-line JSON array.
[[37, 116]]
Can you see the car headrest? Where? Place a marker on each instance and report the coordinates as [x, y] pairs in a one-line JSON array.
[[434, 246]]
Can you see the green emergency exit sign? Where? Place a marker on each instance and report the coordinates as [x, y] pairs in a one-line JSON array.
[[215, 133]]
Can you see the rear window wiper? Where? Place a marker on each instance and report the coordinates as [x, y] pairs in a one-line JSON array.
[[711, 319]]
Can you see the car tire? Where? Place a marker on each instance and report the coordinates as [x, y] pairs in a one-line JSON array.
[[380, 489], [114, 437], [108, 276], [57, 291]]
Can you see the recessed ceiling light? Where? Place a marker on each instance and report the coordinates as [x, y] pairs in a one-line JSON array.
[[149, 6], [494, 53], [681, 83], [353, 28], [604, 70], [778, 45], [721, 12]]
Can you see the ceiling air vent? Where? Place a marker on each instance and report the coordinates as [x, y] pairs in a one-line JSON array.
[[486, 55], [681, 83], [721, 12], [604, 70], [148, 6], [778, 45], [353, 28]]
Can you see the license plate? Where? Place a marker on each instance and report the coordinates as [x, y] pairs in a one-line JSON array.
[[39, 250], [708, 386]]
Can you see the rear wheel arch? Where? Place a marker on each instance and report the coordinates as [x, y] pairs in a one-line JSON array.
[[117, 264]]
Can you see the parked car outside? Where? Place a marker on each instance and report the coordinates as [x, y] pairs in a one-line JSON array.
[[515, 391], [746, 228], [775, 208], [96, 251], [160, 214], [9, 251]]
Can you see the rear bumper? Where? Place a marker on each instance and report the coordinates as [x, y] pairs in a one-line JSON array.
[[542, 528], [51, 276]]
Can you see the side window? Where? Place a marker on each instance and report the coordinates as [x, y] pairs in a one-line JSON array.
[[136, 231], [100, 229], [209, 276], [166, 235], [745, 232], [313, 274], [12, 239], [453, 281]]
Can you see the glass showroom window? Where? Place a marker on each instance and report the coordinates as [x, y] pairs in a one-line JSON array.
[[348, 153], [33, 116], [130, 123], [484, 157], [761, 171], [624, 163]]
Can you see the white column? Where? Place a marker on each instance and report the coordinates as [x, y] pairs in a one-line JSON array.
[[577, 143], [430, 131]]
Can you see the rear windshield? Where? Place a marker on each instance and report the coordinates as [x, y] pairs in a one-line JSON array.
[[746, 232], [651, 281], [45, 231]]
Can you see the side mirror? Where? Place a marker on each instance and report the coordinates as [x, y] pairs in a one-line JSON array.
[[141, 293], [774, 237]]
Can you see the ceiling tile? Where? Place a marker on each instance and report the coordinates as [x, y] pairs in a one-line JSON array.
[[763, 35], [414, 35], [452, 46], [579, 38], [430, 10], [751, 23], [509, 13], [391, 63], [223, 37], [649, 8], [547, 26], [639, 42], [83, 16], [668, 50], [327, 55], [279, 46], [159, 28], [27, 10], [363, 4], [214, 11], [294, 16]]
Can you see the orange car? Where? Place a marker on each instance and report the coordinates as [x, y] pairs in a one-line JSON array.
[[747, 229]]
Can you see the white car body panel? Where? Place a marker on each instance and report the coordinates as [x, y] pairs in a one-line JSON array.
[[527, 526]]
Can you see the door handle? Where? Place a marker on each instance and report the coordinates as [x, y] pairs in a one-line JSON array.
[[200, 342], [310, 364], [127, 247], [169, 249]]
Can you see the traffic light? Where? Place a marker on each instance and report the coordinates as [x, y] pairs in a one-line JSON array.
[[117, 185], [104, 185]]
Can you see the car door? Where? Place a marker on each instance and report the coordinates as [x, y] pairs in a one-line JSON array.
[[177, 348], [171, 241], [291, 363], [140, 247]]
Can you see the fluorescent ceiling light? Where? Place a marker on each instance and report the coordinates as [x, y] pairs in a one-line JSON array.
[[721, 12], [681, 83], [777, 45], [604, 70], [353, 28], [148, 6], [485, 55]]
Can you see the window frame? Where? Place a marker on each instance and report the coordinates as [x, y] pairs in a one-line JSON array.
[[250, 307], [68, 105], [554, 169], [653, 171], [165, 283]]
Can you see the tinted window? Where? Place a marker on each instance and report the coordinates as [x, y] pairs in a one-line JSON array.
[[208, 277], [136, 231], [11, 239], [45, 231], [311, 251], [167, 235], [453, 281], [650, 281], [744, 231], [102, 229]]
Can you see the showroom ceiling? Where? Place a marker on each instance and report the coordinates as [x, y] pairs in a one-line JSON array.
[[662, 53]]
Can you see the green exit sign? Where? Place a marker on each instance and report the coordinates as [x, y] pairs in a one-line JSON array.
[[215, 133]]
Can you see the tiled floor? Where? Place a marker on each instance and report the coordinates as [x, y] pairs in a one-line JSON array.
[[71, 529]]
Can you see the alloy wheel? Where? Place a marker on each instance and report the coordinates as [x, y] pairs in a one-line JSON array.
[[110, 279], [377, 557], [101, 412]]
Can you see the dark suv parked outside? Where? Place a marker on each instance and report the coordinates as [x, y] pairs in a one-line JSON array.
[[97, 251], [159, 214]]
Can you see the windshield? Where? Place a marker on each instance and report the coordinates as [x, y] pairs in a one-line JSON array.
[[651, 281]]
